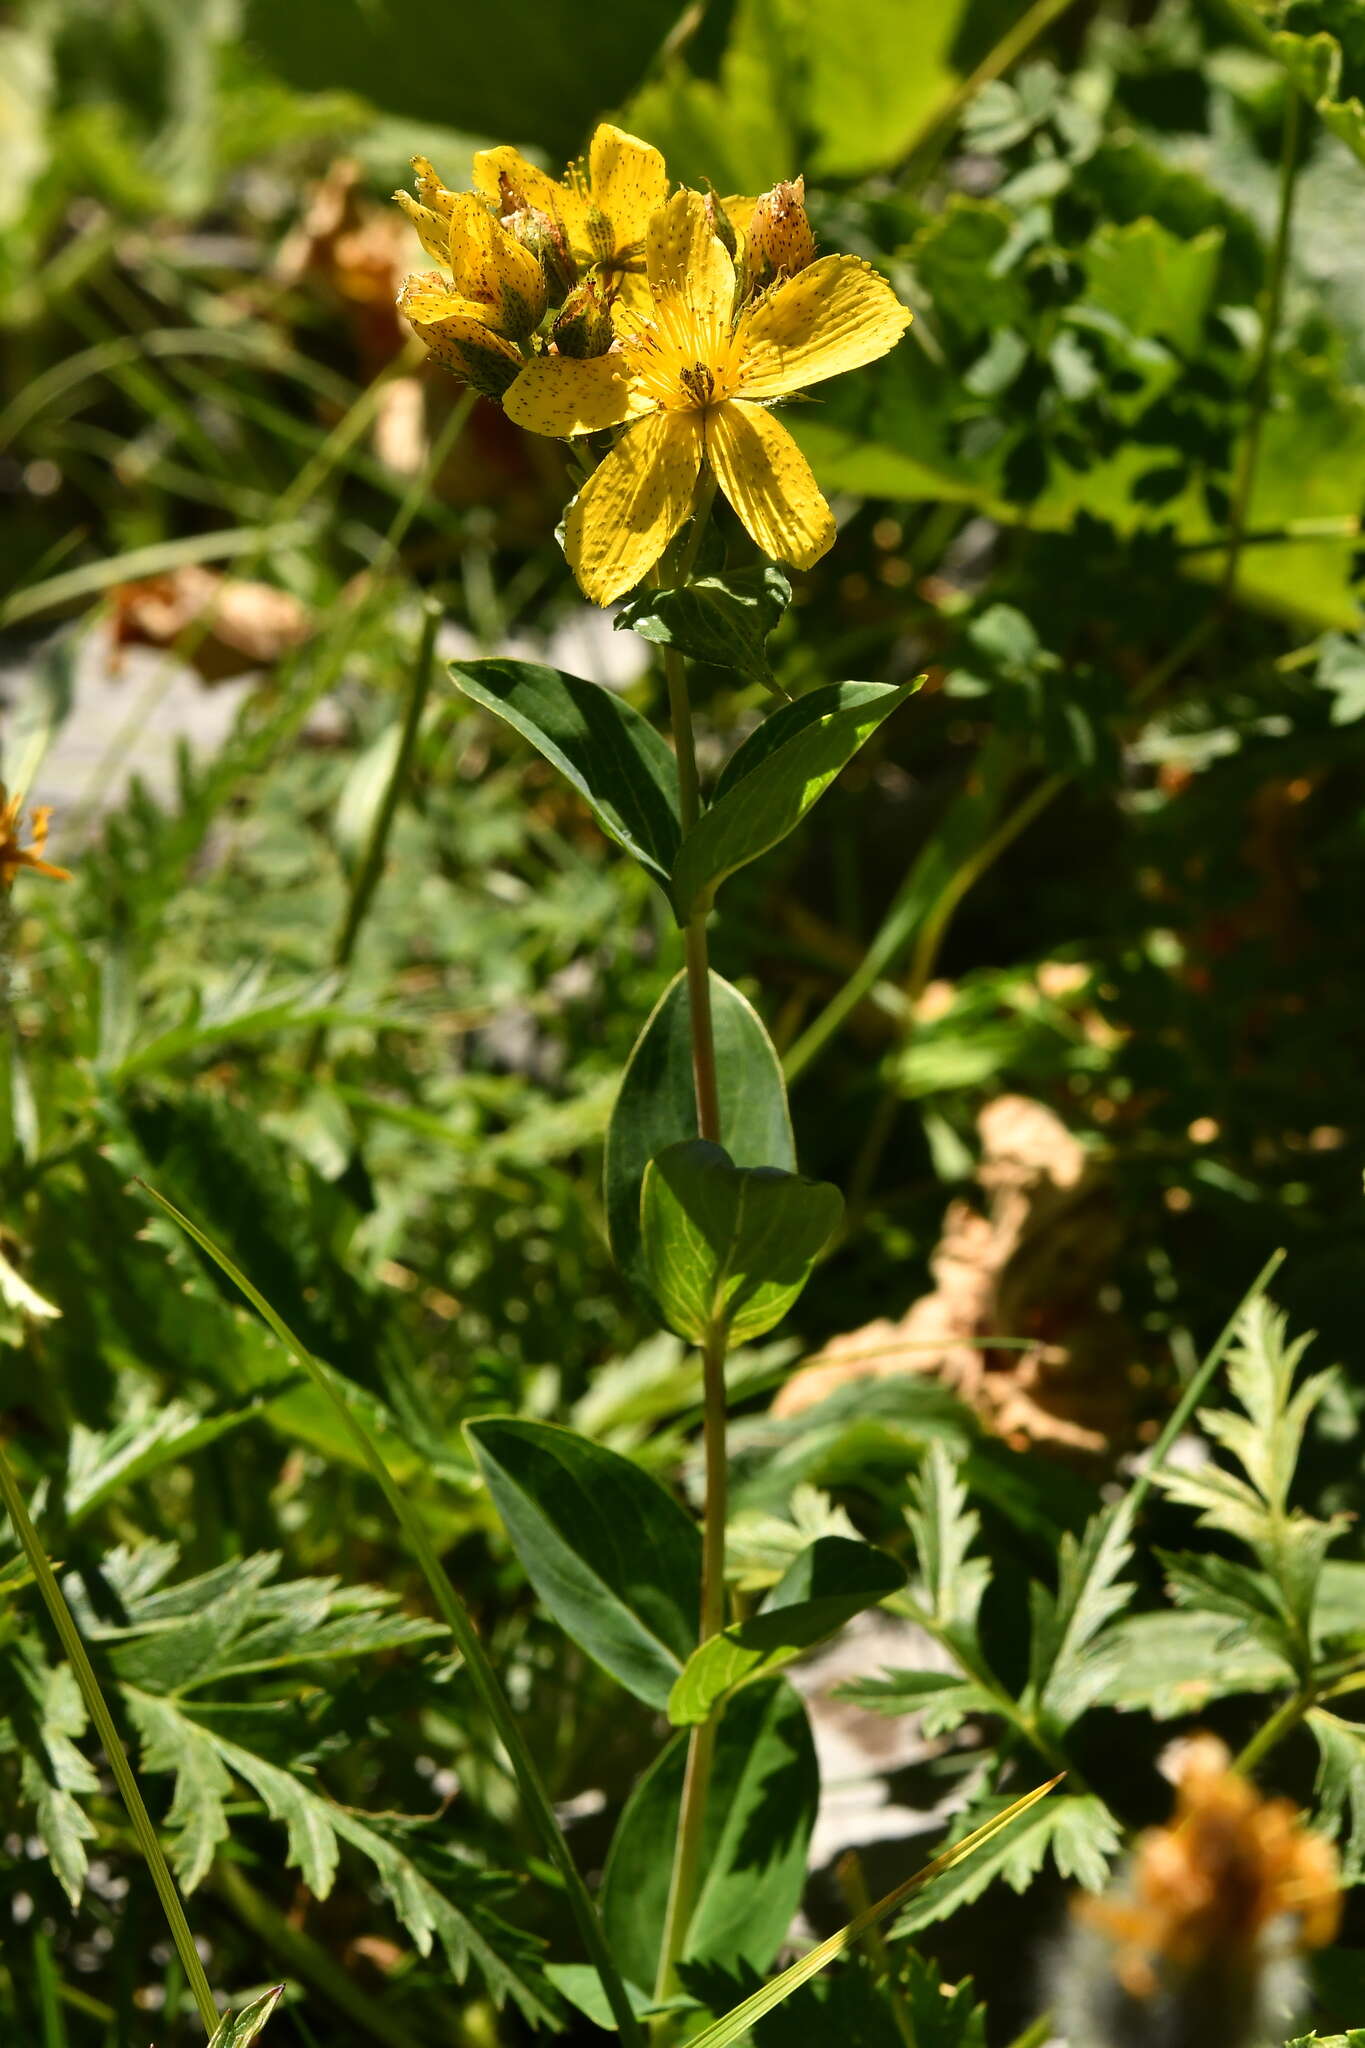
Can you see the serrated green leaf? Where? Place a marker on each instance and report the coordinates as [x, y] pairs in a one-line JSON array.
[[101, 1463], [451, 1913], [46, 1716], [950, 1585], [728, 1249], [942, 1700], [1070, 1656], [1170, 1665], [657, 1105], [724, 619], [765, 1788], [613, 1557], [197, 1822], [830, 1582], [239, 2029], [600, 744], [1077, 1830], [1340, 1787], [773, 779]]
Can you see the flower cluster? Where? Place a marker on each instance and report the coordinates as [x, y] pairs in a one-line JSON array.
[[601, 304]]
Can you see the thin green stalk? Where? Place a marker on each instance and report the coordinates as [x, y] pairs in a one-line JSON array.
[[1007, 51], [687, 1847], [370, 867], [1271, 305], [1282, 1722], [456, 1618], [1036, 2035], [99, 1713], [701, 1748]]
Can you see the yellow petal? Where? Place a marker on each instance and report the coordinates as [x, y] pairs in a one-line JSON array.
[[433, 229], [562, 395], [633, 504], [490, 266], [690, 267], [768, 481], [628, 181], [457, 334], [834, 316]]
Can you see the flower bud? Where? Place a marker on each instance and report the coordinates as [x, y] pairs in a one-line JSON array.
[[584, 327], [722, 227], [779, 241], [544, 236]]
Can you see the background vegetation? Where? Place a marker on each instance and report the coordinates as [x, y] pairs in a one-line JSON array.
[[1107, 494]]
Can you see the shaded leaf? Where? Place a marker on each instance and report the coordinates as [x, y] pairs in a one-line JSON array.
[[613, 1557], [600, 744], [761, 1809], [1340, 1787]]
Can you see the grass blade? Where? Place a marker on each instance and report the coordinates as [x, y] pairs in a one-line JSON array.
[[98, 1710]]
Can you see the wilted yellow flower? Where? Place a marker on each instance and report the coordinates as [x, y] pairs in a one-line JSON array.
[[692, 382], [478, 321], [13, 856], [604, 205]]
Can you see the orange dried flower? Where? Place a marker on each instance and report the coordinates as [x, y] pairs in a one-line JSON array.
[[1230, 1866]]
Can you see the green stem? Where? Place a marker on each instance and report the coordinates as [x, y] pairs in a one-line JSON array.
[[1011, 46], [365, 880], [1282, 1722], [99, 1713], [682, 1888], [456, 1618], [687, 1847], [1271, 305]]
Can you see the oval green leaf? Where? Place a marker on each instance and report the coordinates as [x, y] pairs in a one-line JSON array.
[[613, 1557], [728, 1249], [657, 1106], [774, 778], [824, 1587], [765, 1787], [600, 744]]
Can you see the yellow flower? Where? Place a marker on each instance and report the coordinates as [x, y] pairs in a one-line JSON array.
[[603, 207], [13, 856], [692, 385], [477, 322]]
